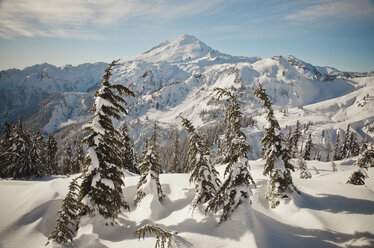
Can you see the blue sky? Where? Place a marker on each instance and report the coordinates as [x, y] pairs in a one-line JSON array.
[[338, 33]]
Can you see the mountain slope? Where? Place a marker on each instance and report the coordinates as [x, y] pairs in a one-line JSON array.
[[178, 77]]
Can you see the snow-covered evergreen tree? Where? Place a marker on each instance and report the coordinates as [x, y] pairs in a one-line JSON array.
[[308, 147], [67, 222], [304, 171], [5, 144], [41, 145], [127, 153], [101, 188], [295, 140], [149, 182], [236, 187], [335, 153], [365, 160], [79, 157], [277, 164], [52, 164], [176, 166], [22, 155], [67, 164], [203, 174], [354, 148], [344, 149]]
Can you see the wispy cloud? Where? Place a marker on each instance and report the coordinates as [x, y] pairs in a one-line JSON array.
[[334, 9], [70, 18]]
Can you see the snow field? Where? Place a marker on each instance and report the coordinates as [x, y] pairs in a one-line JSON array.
[[328, 213]]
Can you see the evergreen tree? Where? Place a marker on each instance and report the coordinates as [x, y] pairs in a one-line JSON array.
[[335, 153], [344, 149], [365, 160], [5, 144], [277, 164], [203, 174], [38, 151], [150, 168], [67, 221], [364, 144], [354, 148], [101, 188], [176, 166], [22, 162], [78, 158], [308, 147], [288, 140], [304, 172], [236, 187], [52, 165], [295, 139], [67, 162], [127, 152], [41, 146]]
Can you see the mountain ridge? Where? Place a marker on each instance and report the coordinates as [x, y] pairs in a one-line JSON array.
[[178, 77]]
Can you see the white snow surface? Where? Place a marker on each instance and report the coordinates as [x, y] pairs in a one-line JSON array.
[[328, 213]]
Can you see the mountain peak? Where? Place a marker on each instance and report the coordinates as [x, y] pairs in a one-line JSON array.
[[183, 48]]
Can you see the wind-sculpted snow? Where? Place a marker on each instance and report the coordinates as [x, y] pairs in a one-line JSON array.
[[328, 213]]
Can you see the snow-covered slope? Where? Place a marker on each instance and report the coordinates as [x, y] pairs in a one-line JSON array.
[[22, 90], [178, 77], [328, 213]]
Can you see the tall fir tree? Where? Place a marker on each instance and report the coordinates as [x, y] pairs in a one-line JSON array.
[[67, 164], [127, 153], [67, 222], [52, 164], [236, 187], [5, 144], [176, 166], [150, 168], [344, 149], [203, 174], [308, 147], [101, 188], [365, 160], [79, 157], [335, 153], [41, 145], [22, 157], [277, 158], [295, 140], [354, 148]]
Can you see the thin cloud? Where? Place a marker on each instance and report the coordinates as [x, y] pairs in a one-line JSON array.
[[335, 9], [70, 18]]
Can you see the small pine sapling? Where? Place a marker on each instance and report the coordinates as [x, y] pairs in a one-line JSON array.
[[68, 219], [150, 171], [164, 237], [304, 172]]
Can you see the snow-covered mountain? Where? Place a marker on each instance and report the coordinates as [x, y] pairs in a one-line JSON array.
[[178, 77]]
